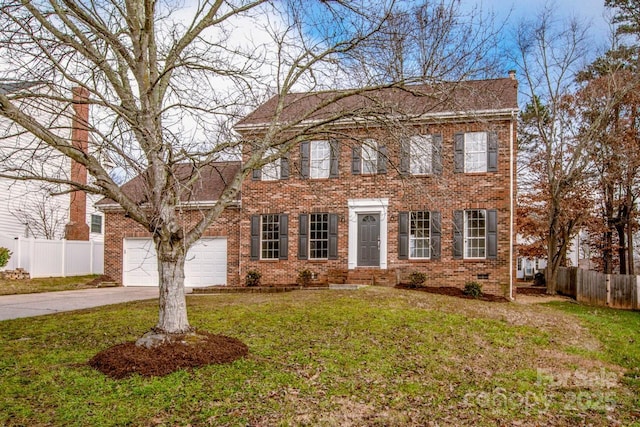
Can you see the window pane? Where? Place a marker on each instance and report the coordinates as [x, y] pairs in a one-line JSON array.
[[271, 171], [475, 233], [475, 152], [369, 157], [96, 223], [420, 235], [320, 159], [270, 237], [420, 154], [319, 236]]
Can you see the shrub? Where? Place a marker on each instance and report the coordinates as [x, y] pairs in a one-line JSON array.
[[417, 279], [473, 289], [253, 278], [5, 255], [304, 277]]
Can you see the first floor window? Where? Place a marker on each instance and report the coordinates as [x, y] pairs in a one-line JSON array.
[[96, 223], [475, 232], [270, 237], [319, 236], [419, 235]]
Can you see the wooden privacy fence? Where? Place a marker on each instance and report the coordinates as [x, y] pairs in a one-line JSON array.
[[591, 287]]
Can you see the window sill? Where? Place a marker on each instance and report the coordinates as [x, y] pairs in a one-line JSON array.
[[270, 260]]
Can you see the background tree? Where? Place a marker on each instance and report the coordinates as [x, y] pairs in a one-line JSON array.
[[167, 82], [552, 182]]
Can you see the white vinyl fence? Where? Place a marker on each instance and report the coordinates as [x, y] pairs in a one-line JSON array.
[[55, 258]]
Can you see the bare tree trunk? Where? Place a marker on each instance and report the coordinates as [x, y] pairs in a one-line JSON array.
[[173, 306]]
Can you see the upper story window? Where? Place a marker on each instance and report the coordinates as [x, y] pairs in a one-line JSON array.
[[369, 157], [274, 170], [96, 223], [476, 152], [421, 154], [320, 159], [271, 171]]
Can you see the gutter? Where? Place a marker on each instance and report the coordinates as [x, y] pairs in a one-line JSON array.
[[114, 207], [358, 121]]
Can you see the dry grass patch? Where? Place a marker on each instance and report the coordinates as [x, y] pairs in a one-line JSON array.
[[48, 284]]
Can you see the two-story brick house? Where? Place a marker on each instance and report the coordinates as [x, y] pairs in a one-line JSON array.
[[429, 188], [411, 179]]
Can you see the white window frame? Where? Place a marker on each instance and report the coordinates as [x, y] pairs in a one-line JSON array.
[[319, 159], [476, 251], [413, 239], [271, 170], [476, 145], [274, 238], [421, 155], [318, 236], [101, 223], [369, 157]]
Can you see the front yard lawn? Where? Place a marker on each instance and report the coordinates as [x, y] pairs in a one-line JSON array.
[[376, 356], [46, 284]]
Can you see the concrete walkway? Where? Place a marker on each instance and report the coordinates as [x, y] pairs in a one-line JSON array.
[[28, 305]]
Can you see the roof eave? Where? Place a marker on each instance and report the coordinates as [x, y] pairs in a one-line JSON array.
[[422, 118]]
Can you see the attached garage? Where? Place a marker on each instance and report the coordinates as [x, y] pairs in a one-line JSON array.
[[206, 263]]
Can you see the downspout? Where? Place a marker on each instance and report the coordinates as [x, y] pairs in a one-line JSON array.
[[511, 204]]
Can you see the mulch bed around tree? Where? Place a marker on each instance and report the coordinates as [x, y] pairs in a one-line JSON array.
[[126, 359], [453, 292]]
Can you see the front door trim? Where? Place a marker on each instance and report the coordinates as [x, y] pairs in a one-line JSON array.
[[367, 206]]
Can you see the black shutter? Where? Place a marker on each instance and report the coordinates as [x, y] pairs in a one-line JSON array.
[[492, 234], [333, 236], [284, 167], [303, 240], [436, 231], [304, 159], [436, 154], [403, 235], [283, 228], [382, 158], [356, 160], [458, 152], [458, 230], [405, 156], [492, 152], [255, 237], [256, 175], [334, 147]]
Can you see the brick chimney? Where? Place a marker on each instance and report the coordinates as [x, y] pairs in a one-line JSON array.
[[77, 228]]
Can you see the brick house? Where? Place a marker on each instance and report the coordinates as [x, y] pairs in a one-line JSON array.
[[428, 188]]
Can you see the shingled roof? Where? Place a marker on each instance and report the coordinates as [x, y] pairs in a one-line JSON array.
[[214, 178], [414, 101]]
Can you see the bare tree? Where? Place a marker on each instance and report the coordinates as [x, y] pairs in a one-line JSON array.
[[43, 218], [166, 84], [550, 53]]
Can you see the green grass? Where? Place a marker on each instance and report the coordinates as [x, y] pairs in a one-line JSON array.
[[45, 284], [375, 356]]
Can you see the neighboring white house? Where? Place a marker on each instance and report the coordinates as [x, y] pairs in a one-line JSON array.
[[32, 208]]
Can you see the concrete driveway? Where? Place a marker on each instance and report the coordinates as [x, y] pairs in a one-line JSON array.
[[28, 305]]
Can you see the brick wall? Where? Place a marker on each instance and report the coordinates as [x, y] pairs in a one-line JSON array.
[[118, 227], [445, 193]]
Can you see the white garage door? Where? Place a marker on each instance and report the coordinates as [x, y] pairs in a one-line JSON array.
[[206, 263]]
